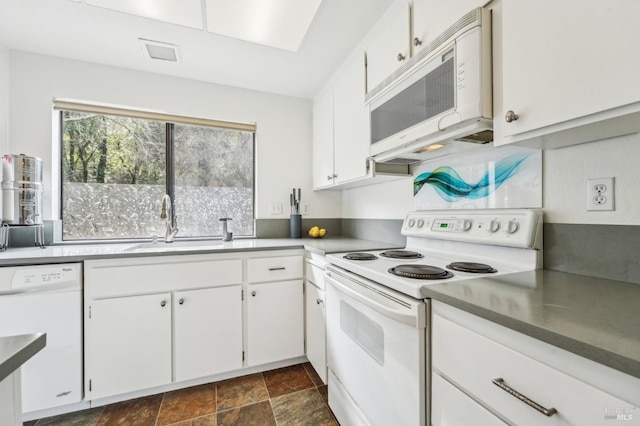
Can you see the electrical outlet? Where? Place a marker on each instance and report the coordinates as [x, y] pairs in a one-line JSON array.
[[305, 209], [600, 194]]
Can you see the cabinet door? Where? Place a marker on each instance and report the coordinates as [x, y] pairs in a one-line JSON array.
[[275, 322], [432, 17], [389, 47], [351, 141], [563, 60], [207, 331], [128, 344], [316, 329], [323, 140]]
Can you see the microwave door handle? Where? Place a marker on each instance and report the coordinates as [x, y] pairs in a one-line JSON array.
[[395, 314]]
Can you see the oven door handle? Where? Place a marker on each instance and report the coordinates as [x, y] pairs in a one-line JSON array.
[[399, 315]]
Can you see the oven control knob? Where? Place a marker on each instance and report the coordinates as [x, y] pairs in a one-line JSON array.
[[420, 223], [412, 222], [512, 227], [466, 225], [494, 225]]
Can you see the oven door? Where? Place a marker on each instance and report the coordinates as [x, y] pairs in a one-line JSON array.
[[376, 352]]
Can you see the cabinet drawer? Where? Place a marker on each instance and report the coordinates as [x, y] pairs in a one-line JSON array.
[[314, 274], [474, 362], [274, 268]]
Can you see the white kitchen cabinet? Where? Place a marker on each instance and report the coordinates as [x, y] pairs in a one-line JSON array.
[[473, 354], [207, 331], [389, 47], [341, 134], [563, 66], [323, 140], [432, 17], [129, 347], [315, 318], [275, 321]]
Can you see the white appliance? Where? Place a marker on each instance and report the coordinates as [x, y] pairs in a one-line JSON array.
[[439, 102], [378, 322], [46, 298]]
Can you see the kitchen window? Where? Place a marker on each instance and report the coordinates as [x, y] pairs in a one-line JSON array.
[[116, 165]]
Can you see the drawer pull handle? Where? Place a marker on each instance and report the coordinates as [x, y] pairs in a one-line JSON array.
[[502, 385], [281, 268]]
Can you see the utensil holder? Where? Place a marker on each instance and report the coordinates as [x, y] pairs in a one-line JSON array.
[[295, 226]]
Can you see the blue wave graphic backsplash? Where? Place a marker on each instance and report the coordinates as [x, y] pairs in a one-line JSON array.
[[451, 187]]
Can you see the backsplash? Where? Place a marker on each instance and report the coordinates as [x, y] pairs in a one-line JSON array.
[[605, 251]]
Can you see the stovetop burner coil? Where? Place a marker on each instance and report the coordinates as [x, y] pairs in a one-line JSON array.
[[420, 272], [360, 256], [477, 268], [401, 254]]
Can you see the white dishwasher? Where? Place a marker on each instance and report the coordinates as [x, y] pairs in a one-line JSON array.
[[46, 298]]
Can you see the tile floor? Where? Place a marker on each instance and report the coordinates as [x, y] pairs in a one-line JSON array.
[[287, 396]]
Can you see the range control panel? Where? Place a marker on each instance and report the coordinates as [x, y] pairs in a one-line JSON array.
[[507, 227]]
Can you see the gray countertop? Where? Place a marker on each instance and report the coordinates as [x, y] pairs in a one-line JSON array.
[[595, 318], [16, 350], [79, 252]]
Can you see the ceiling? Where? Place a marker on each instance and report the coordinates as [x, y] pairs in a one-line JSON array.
[[75, 30]]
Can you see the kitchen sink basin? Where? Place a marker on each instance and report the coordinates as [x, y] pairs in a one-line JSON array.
[[175, 246]]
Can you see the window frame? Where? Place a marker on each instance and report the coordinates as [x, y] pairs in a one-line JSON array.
[[170, 182]]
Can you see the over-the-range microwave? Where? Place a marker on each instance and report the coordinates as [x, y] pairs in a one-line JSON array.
[[440, 102]]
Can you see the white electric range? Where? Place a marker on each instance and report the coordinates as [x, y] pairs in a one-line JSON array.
[[377, 316]]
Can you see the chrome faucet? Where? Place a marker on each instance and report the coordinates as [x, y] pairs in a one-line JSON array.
[[165, 213], [226, 235]]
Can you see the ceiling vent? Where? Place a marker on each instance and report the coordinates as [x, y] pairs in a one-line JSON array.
[[160, 51]]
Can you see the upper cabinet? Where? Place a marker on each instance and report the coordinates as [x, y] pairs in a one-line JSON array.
[[389, 48], [341, 133], [432, 17], [562, 71]]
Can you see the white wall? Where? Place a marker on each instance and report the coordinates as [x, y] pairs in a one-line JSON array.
[[4, 98], [391, 200], [565, 174], [284, 123]]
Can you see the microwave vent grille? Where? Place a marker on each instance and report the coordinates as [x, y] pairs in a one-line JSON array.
[[482, 137]]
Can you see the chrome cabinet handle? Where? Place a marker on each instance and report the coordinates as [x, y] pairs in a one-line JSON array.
[[335, 176], [253, 293], [511, 116], [329, 177], [280, 268], [319, 301], [417, 42], [163, 303], [401, 57], [181, 301], [531, 403]]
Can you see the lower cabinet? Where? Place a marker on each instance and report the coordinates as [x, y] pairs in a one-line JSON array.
[[315, 319], [496, 373], [153, 321], [129, 347], [275, 321], [207, 331]]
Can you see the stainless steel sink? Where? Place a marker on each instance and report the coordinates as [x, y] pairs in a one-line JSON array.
[[175, 246]]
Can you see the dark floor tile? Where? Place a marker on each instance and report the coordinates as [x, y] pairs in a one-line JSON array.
[[78, 418], [324, 392], [304, 408], [315, 378], [135, 412], [259, 414], [286, 380], [185, 404], [246, 390], [209, 420]]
